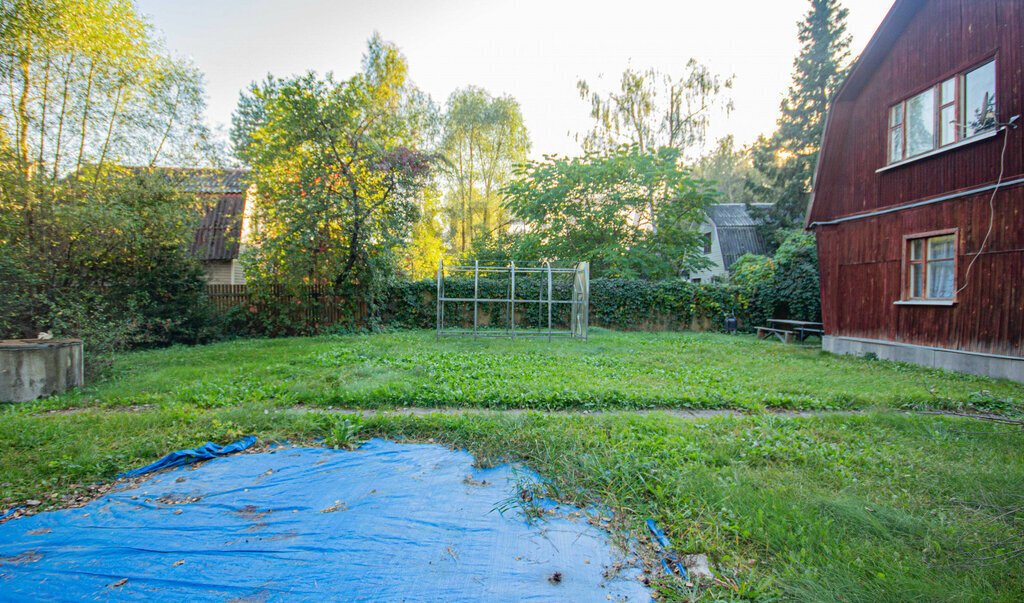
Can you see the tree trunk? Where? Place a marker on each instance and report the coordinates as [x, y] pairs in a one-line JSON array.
[[60, 122], [85, 114], [42, 113], [470, 192], [23, 117], [110, 131]]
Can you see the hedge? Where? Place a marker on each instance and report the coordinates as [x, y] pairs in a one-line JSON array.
[[623, 304]]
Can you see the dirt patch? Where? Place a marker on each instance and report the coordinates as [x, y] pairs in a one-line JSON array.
[[250, 512], [21, 559], [175, 499], [64, 412], [337, 506]]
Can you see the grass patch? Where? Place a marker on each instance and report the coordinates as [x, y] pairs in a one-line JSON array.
[[612, 371], [854, 508]]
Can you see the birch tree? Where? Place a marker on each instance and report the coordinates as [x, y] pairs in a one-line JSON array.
[[483, 139], [651, 109]]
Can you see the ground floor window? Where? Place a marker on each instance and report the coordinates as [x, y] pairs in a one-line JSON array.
[[930, 266]]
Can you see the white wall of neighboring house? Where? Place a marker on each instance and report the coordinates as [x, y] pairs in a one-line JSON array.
[[227, 272], [218, 273], [249, 226], [718, 269]]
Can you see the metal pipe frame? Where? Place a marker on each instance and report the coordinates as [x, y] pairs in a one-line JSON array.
[[578, 304]]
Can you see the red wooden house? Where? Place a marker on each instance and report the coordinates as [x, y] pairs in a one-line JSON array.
[[918, 198]]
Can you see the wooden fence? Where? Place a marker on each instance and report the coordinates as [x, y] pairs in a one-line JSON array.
[[311, 305], [226, 297]]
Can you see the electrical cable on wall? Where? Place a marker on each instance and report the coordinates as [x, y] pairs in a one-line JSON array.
[[991, 200]]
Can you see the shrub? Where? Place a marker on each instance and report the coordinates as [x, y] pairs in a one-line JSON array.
[[104, 261]]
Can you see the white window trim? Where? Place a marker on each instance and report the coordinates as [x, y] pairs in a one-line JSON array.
[[924, 302], [960, 108], [949, 147]]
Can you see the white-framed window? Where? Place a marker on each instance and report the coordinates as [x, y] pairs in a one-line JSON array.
[[952, 110], [929, 266]]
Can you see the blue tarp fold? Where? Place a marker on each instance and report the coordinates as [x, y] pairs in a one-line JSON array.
[[207, 451]]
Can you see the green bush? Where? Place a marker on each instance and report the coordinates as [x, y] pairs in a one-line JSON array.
[[784, 286], [105, 261]]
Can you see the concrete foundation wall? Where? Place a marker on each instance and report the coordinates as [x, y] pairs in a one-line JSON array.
[[988, 365], [31, 368]]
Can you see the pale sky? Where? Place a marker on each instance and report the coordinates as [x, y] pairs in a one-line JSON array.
[[534, 50]]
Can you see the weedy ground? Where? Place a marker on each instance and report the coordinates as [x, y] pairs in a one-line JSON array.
[[611, 371], [885, 504]]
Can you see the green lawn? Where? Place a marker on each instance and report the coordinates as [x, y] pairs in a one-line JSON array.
[[612, 370], [874, 506]]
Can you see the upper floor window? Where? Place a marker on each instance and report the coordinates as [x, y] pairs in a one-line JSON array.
[[952, 110]]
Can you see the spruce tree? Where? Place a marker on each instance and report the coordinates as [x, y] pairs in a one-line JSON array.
[[786, 160]]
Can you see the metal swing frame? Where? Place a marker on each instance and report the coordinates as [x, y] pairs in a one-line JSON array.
[[578, 302]]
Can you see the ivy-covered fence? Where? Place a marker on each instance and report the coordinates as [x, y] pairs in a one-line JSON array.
[[624, 304], [785, 286], [760, 287]]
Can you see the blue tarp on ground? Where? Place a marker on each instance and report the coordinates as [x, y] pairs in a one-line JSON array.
[[386, 522]]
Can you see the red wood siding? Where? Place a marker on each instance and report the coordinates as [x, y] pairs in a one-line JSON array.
[[861, 259], [861, 277], [943, 38]]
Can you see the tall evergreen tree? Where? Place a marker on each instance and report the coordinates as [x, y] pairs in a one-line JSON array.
[[786, 160]]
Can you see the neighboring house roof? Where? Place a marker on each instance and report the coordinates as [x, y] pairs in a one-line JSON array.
[[737, 232], [234, 181], [732, 214], [738, 241], [220, 231]]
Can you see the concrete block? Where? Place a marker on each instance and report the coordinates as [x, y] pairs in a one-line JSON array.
[[974, 363], [34, 368]]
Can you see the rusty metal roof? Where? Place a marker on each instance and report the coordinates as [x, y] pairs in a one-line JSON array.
[[219, 233], [202, 180], [737, 232]]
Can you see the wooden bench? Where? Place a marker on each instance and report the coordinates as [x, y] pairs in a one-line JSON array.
[[783, 335], [805, 331]]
